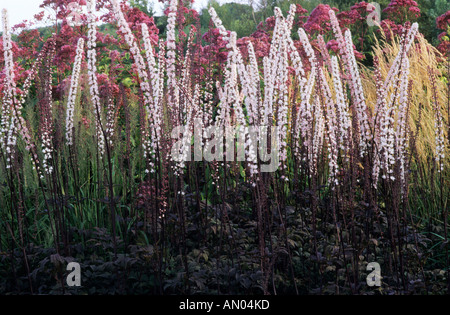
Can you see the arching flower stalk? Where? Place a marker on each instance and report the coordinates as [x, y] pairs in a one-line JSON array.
[[92, 76], [7, 123], [232, 99], [379, 122], [342, 45], [73, 92], [244, 136], [159, 94], [343, 116], [190, 110], [281, 76], [186, 94], [405, 45], [304, 96], [12, 108], [152, 110], [248, 75], [324, 51], [360, 101], [185, 142], [271, 64], [110, 122], [253, 99], [317, 139], [330, 126], [172, 84], [290, 18], [402, 134], [151, 62], [385, 136], [305, 117], [218, 24], [47, 119], [353, 78]]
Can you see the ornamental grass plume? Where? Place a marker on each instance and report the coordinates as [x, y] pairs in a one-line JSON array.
[[439, 152], [422, 55], [391, 135]]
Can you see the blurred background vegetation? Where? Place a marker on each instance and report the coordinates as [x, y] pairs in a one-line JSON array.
[[244, 16]]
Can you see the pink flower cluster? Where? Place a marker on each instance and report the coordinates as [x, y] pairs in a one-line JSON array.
[[357, 13], [319, 20], [398, 9], [443, 21]]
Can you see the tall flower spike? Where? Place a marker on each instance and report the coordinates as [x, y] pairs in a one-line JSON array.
[[360, 100], [46, 114], [406, 43], [150, 137], [318, 133], [340, 39], [304, 116], [73, 91], [324, 51], [153, 69], [330, 126], [290, 18], [253, 100], [218, 23], [307, 46], [172, 84], [12, 119], [343, 117], [402, 134], [92, 76], [9, 82]]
